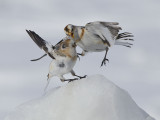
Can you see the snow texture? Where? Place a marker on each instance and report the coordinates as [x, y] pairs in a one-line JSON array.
[[92, 98]]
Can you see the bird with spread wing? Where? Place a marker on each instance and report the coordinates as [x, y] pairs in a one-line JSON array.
[[98, 36], [63, 54]]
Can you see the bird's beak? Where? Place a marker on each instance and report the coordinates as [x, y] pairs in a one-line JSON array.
[[74, 45], [70, 34], [53, 47]]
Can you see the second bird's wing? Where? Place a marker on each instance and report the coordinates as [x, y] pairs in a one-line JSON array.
[[42, 44], [106, 31]]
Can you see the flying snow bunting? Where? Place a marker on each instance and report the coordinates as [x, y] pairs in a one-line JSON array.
[[98, 36]]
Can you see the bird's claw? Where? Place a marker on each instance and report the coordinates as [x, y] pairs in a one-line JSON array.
[[80, 77], [80, 54], [78, 57], [70, 80], [104, 61]]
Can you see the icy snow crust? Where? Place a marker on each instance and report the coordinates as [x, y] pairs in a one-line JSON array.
[[92, 98]]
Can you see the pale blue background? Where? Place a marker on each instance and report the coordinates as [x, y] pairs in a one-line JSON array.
[[136, 70]]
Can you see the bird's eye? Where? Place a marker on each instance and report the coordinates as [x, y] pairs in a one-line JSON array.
[[66, 29], [64, 46], [71, 30]]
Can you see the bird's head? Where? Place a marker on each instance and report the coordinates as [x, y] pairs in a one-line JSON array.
[[69, 30], [66, 48]]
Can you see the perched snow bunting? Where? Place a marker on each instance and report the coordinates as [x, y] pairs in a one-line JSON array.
[[64, 56], [98, 36]]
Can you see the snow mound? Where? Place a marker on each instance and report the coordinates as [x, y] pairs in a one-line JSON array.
[[92, 98]]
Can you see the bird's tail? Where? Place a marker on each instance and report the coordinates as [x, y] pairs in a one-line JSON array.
[[124, 37], [48, 81], [39, 58]]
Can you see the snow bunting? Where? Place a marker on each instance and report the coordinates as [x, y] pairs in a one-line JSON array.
[[98, 36], [64, 56]]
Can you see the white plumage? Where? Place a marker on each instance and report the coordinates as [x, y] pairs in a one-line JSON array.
[[98, 36], [64, 56]]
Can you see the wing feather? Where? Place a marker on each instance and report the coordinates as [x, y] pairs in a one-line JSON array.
[[111, 26], [107, 31], [42, 44]]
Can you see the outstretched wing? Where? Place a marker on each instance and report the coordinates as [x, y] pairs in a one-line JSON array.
[[42, 44], [106, 31]]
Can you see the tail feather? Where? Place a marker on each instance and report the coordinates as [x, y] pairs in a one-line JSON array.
[[126, 44], [124, 37], [128, 39], [48, 81]]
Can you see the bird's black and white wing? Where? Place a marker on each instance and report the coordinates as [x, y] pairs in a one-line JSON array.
[[106, 31], [42, 44]]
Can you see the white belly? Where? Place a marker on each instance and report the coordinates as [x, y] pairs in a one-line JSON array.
[[91, 44], [61, 66]]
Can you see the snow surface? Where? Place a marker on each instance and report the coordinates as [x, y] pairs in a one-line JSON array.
[[92, 98]]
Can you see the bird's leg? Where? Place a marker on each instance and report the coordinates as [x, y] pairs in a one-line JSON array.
[[69, 80], [39, 58], [105, 59], [73, 73], [62, 78], [82, 54], [78, 56]]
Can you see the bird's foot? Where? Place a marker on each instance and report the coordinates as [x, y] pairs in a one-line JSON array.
[[62, 80], [70, 80], [80, 77], [104, 61], [78, 57], [81, 54]]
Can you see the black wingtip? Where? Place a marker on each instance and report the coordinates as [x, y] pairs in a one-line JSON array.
[[40, 42], [36, 38], [30, 32], [27, 31]]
